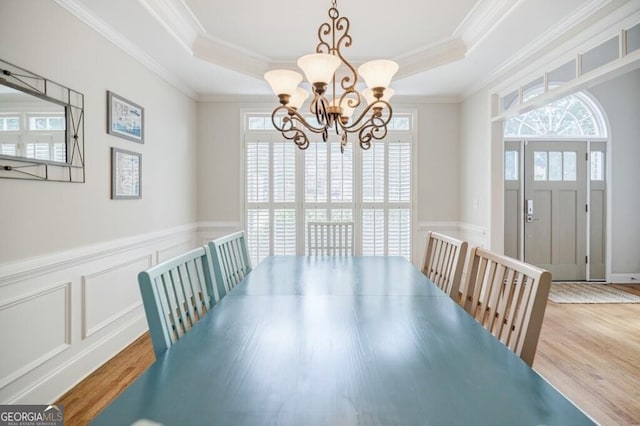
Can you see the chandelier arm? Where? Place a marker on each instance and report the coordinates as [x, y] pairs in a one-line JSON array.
[[289, 129], [357, 124], [319, 108], [371, 130], [289, 121]]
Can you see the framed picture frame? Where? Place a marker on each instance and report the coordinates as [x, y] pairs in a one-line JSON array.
[[125, 119], [126, 174]]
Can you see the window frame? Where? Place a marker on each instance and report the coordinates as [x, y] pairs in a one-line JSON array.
[[358, 204]]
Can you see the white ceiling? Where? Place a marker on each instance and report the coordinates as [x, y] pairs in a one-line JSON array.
[[444, 48]]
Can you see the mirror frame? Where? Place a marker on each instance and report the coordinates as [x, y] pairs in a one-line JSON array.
[[73, 103]]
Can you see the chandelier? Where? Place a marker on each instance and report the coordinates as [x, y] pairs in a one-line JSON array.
[[322, 69]]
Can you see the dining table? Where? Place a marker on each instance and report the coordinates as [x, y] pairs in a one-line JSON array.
[[339, 341]]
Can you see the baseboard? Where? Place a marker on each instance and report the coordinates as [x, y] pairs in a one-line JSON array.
[[625, 278], [51, 387]]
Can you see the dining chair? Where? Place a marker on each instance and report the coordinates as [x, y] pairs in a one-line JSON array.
[[330, 238], [508, 297], [443, 262], [176, 294], [231, 262]]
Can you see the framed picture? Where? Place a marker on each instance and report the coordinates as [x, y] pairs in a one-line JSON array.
[[126, 174], [124, 118]]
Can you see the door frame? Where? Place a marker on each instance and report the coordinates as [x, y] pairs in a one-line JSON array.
[[521, 199]]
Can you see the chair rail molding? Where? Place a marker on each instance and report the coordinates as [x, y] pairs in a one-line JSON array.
[[207, 231], [19, 270]]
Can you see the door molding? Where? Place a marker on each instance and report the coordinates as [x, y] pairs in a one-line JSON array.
[[518, 144]]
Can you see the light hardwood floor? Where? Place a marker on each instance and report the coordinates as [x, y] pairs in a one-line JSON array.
[[591, 353]]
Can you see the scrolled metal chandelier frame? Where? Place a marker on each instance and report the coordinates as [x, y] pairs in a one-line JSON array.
[[320, 70]]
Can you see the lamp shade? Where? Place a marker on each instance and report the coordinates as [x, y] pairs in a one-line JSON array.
[[297, 98], [319, 67], [368, 95], [283, 82], [378, 73]]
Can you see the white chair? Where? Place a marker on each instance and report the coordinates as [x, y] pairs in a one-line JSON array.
[[176, 294], [443, 262], [330, 238], [231, 262], [508, 298]]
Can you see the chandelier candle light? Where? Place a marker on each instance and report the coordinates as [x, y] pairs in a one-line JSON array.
[[320, 69]]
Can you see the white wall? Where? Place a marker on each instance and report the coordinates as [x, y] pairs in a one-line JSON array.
[[475, 169], [69, 254], [220, 169], [619, 98]]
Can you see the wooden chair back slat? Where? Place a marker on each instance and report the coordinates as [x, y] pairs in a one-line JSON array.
[[508, 298], [444, 261], [231, 260], [330, 238], [176, 294]]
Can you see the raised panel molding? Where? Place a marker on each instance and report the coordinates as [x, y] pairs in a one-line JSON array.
[[121, 280], [27, 321]]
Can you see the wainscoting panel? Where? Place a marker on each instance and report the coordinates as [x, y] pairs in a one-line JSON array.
[[108, 295], [65, 314], [27, 341]]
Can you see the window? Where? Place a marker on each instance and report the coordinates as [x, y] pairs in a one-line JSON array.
[[9, 124], [511, 165], [286, 188], [554, 166], [597, 165], [572, 116]]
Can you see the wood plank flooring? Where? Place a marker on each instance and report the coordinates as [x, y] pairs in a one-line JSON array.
[[84, 401], [591, 353]]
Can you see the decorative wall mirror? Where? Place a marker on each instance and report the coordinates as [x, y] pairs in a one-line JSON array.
[[41, 127]]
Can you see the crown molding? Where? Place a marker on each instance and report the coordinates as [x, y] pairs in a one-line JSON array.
[[401, 100], [583, 25], [125, 45], [485, 17], [270, 100], [177, 19], [245, 99], [430, 57], [227, 55]]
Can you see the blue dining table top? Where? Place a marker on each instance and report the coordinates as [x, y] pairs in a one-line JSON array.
[[339, 341]]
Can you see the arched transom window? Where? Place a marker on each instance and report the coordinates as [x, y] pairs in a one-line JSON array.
[[570, 117]]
